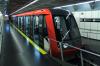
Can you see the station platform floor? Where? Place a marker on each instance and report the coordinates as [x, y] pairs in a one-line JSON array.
[[16, 51]]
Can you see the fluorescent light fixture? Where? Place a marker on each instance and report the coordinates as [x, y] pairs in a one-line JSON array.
[[25, 6], [97, 0], [6, 15], [76, 4]]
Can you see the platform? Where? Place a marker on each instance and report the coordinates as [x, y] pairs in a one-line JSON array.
[[16, 51]]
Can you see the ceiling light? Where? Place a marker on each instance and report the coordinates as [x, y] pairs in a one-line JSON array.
[[25, 6], [76, 4]]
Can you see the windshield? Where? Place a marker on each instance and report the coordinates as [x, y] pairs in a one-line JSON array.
[[63, 25]]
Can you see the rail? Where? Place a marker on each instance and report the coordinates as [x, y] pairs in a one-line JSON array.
[[81, 51]]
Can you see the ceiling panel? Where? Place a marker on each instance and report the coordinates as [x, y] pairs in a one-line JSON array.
[[13, 5]]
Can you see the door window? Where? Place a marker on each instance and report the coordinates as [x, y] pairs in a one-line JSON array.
[[36, 29], [19, 22], [21, 19], [28, 25]]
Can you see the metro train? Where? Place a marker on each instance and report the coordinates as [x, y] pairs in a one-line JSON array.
[[48, 27]]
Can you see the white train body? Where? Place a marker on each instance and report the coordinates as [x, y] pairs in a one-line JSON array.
[[88, 23]]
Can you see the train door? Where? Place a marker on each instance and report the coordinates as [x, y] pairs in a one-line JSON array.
[[27, 31], [21, 19], [31, 27], [46, 41], [24, 24], [40, 33], [40, 25], [16, 21], [43, 34], [19, 22], [36, 29]]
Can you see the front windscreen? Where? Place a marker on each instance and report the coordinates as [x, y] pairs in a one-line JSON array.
[[66, 28]]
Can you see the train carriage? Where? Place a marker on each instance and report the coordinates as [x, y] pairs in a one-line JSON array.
[[48, 27]]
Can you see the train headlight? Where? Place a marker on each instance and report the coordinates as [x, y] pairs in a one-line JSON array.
[[65, 45]]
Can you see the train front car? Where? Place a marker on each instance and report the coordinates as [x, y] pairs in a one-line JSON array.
[[67, 32], [50, 28]]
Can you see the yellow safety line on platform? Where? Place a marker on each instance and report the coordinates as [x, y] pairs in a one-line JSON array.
[[31, 42]]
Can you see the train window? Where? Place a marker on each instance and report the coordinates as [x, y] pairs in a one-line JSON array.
[[21, 22], [27, 25], [57, 20], [74, 31], [61, 28], [36, 26], [45, 27]]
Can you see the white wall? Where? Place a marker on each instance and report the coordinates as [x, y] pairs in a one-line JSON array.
[[88, 29]]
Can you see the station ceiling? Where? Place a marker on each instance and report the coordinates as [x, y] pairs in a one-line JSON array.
[[14, 5], [3, 5]]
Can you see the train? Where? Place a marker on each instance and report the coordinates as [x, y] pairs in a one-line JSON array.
[[50, 27]]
